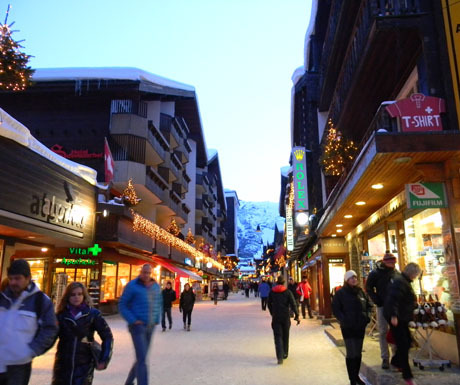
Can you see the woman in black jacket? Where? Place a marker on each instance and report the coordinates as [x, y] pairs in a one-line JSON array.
[[399, 311], [187, 300], [74, 362], [352, 308]]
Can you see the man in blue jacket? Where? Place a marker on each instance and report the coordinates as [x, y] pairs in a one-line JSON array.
[[141, 305], [264, 291], [27, 322]]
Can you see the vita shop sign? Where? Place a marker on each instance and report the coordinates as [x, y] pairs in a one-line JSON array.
[[77, 251]]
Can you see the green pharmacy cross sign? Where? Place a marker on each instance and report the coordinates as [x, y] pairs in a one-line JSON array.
[[95, 250], [426, 195]]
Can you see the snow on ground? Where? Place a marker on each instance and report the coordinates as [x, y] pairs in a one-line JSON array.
[[230, 344]]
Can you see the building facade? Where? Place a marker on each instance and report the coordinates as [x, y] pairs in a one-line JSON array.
[[153, 131], [388, 138]]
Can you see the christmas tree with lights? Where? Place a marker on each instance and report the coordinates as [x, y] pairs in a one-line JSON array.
[[190, 239], [15, 74], [129, 195], [337, 152], [173, 228]]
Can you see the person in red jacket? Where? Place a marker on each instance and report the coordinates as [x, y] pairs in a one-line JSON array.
[[304, 290]]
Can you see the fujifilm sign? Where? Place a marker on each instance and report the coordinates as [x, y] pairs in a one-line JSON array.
[[426, 195]]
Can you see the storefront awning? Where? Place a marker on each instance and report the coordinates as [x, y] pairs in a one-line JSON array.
[[176, 269]]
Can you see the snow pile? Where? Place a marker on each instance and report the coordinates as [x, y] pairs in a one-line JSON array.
[[106, 73], [10, 128]]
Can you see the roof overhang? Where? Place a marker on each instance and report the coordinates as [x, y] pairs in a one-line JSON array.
[[392, 159]]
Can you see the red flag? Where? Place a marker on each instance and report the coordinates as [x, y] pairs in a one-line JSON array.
[[109, 163]]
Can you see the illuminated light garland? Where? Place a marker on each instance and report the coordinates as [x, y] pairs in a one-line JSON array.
[[15, 75], [337, 151], [156, 232]]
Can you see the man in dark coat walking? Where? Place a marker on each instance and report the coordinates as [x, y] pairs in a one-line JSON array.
[[280, 300], [169, 296], [376, 288]]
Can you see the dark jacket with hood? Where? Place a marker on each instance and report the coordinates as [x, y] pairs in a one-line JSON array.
[[28, 326], [74, 363], [352, 308], [401, 300], [378, 281], [280, 300], [169, 296], [187, 300]]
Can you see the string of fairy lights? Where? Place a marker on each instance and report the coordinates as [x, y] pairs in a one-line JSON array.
[[15, 74], [156, 232], [337, 151]]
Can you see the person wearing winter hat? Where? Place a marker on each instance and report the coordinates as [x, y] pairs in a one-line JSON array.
[[376, 288], [280, 300], [352, 308], [31, 332]]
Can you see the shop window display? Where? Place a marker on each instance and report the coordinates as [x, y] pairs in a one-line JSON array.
[[37, 270], [124, 276], [108, 282], [336, 273], [425, 247]]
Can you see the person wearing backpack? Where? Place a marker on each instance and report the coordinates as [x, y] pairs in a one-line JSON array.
[[27, 315]]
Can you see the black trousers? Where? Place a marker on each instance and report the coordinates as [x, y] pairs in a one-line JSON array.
[[16, 374], [187, 315], [306, 303], [281, 336], [403, 338], [166, 312], [264, 302]]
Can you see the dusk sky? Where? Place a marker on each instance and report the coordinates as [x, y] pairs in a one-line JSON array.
[[238, 54]]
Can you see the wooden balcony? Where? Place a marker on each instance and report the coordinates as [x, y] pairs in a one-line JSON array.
[[385, 40]]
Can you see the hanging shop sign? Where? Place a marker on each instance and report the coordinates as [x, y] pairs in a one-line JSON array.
[[335, 260], [289, 230], [418, 113], [300, 179], [426, 195]]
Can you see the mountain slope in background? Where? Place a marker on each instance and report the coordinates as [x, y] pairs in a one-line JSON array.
[[250, 215]]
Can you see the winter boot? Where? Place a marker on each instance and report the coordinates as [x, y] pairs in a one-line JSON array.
[[351, 370], [188, 328], [185, 326]]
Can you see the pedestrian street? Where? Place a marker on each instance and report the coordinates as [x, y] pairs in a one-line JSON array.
[[231, 344]]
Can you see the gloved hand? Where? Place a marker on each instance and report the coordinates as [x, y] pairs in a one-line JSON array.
[[297, 319], [180, 310]]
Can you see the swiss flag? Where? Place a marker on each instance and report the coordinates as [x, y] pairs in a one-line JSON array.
[[109, 163]]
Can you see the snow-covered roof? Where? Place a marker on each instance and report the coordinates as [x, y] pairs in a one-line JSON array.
[[285, 170], [10, 128], [106, 73], [211, 153]]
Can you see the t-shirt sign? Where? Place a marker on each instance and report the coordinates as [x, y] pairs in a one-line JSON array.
[[418, 113]]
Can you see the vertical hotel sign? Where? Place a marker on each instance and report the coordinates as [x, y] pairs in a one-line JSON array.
[[451, 14], [299, 176]]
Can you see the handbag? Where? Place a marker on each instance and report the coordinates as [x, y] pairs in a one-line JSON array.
[[302, 298], [96, 350]]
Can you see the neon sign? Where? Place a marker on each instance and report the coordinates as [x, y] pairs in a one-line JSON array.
[[79, 261], [95, 250], [300, 179]]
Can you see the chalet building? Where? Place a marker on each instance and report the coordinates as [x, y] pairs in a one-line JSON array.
[[375, 109], [151, 128], [231, 230]]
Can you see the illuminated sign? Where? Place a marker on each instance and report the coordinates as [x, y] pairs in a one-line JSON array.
[[289, 229], [95, 250], [299, 175], [75, 154], [79, 261], [425, 195]]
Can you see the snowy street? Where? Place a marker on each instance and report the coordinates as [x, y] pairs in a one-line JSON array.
[[231, 343]]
